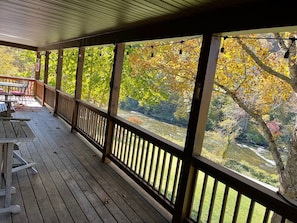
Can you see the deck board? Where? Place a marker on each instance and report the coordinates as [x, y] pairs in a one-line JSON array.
[[72, 184]]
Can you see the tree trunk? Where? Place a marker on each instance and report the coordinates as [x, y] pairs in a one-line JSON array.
[[288, 180]]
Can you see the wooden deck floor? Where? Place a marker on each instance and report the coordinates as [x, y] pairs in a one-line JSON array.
[[72, 184]]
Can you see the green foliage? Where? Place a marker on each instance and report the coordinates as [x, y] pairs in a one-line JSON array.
[[252, 171], [52, 67], [215, 114], [252, 135], [70, 58], [17, 62], [97, 74], [163, 111], [155, 71]]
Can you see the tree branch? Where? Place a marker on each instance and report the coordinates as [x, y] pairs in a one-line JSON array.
[[264, 66], [267, 133]]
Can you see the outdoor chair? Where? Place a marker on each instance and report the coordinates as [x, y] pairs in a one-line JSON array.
[[21, 92]]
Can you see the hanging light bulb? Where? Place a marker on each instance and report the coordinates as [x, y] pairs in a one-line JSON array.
[[181, 47], [100, 54], [223, 48], [152, 52]]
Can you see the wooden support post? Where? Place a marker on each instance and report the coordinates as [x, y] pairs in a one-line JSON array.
[[114, 96], [36, 72], [197, 123], [45, 77], [37, 66], [78, 84], [58, 78]]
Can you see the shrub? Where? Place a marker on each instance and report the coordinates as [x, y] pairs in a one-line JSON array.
[[135, 120]]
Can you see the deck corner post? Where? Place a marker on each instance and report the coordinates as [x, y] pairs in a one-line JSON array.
[[197, 123], [119, 54], [46, 64]]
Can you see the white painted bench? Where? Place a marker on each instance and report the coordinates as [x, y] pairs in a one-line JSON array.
[[3, 109]]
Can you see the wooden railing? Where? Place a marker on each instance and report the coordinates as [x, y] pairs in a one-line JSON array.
[[49, 96], [39, 92], [65, 106], [154, 163], [30, 89], [226, 196], [91, 123], [219, 194]]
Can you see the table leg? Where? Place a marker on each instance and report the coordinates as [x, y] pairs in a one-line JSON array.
[[2, 166], [7, 172], [8, 156]]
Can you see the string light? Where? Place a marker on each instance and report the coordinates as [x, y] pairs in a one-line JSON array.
[[222, 50]]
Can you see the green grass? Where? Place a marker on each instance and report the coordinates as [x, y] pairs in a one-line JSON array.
[[213, 149], [258, 213]]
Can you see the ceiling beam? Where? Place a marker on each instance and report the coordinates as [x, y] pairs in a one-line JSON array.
[[21, 46]]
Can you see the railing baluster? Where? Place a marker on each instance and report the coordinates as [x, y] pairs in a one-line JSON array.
[[117, 139], [266, 215], [176, 179], [202, 198], [121, 142], [151, 165], [138, 156], [168, 175], [236, 210], [97, 128], [127, 145], [162, 172], [134, 157], [157, 164], [146, 163], [101, 130], [251, 211], [224, 203], [213, 197], [92, 126], [131, 150]]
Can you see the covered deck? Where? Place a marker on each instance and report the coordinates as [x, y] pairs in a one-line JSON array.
[[72, 183]]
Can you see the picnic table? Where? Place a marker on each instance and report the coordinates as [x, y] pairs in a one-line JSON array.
[[12, 131]]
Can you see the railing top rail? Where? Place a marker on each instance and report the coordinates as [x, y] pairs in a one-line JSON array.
[[92, 107], [17, 78], [259, 193], [65, 94]]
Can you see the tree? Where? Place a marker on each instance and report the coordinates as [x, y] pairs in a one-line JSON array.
[[52, 67], [253, 72], [259, 79], [17, 62], [97, 74], [69, 70], [158, 70]]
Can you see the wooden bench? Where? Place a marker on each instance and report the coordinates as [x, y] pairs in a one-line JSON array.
[[6, 108]]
